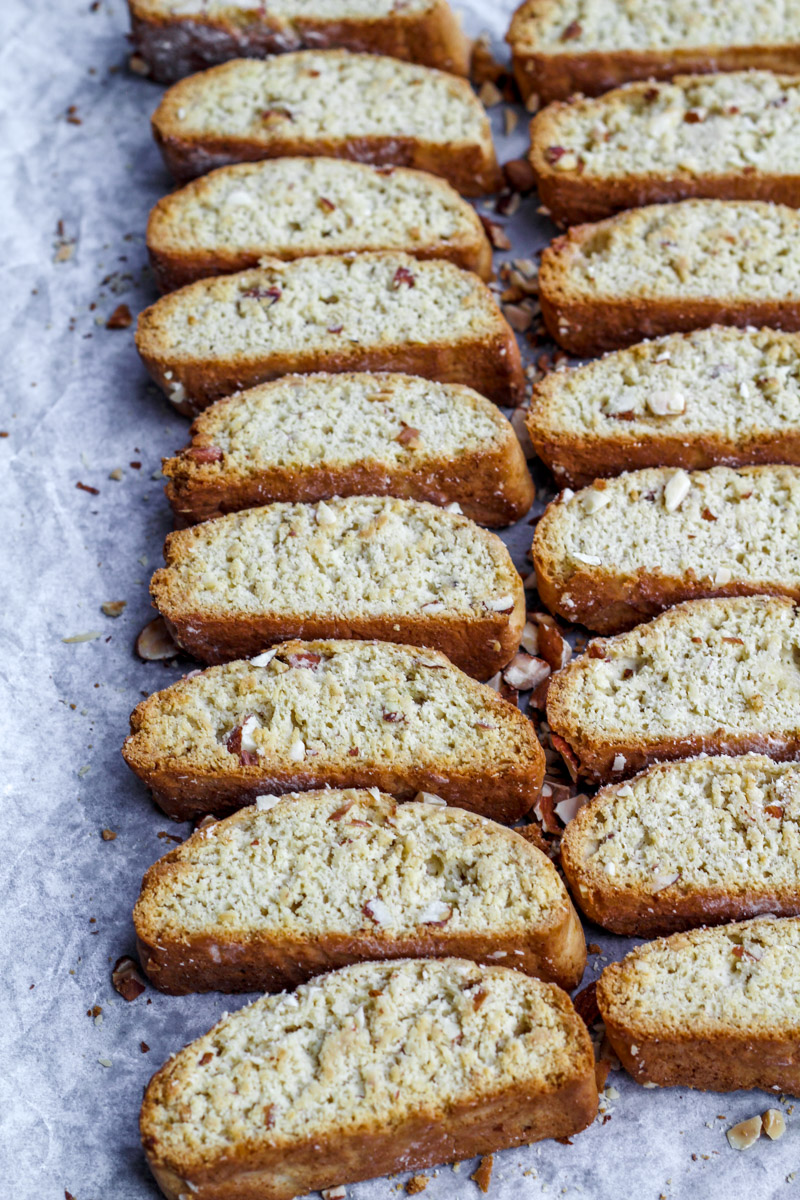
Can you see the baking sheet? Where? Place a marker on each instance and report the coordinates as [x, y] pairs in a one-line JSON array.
[[78, 174]]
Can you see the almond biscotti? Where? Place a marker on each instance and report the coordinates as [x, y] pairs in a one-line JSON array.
[[708, 676], [702, 399], [335, 714], [713, 1008], [563, 46], [360, 106], [365, 312], [289, 208], [177, 37], [624, 549], [375, 1068], [699, 842], [672, 267], [358, 567], [729, 136], [312, 437], [273, 895]]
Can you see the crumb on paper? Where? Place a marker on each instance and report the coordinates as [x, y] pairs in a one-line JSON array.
[[483, 1174], [416, 1184]]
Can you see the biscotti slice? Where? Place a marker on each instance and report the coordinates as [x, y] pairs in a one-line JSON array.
[[360, 106], [312, 437], [730, 136], [265, 899], [624, 549], [335, 714], [563, 46], [376, 1068], [289, 208], [362, 566], [672, 267], [699, 842], [702, 399], [708, 676], [364, 312], [713, 1008], [177, 37]]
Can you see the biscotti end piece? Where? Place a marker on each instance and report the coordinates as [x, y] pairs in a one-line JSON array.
[[327, 1101], [363, 566], [727, 136], [700, 842], [361, 106], [669, 268], [271, 896], [335, 714], [624, 549], [560, 47], [706, 677], [178, 37], [365, 312], [718, 396], [313, 437], [713, 1008], [286, 208]]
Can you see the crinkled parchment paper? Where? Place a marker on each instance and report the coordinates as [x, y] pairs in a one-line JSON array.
[[79, 174]]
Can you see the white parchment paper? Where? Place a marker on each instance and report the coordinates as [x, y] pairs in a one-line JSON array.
[[78, 174]]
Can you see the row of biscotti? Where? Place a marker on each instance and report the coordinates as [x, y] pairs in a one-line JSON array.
[[310, 1086], [708, 677], [608, 557], [558, 48], [308, 881]]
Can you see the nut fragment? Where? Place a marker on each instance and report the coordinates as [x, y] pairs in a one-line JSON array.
[[525, 672], [120, 318], [489, 94], [773, 1123], [519, 175], [430, 798], [377, 911], [666, 404], [677, 490], [113, 608], [334, 1193], [497, 235], [568, 808], [126, 978], [745, 1134], [436, 913], [155, 642]]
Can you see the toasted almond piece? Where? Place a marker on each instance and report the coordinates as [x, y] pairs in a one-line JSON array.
[[745, 1134], [773, 1123], [155, 642]]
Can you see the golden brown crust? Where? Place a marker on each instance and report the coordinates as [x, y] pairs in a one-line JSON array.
[[587, 327], [593, 756], [504, 791], [576, 460], [488, 1121], [575, 197], [470, 166], [557, 75], [553, 950], [512, 1118], [172, 270], [175, 46], [490, 362], [608, 600], [478, 646], [174, 266], [639, 911], [711, 1059], [493, 486]]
